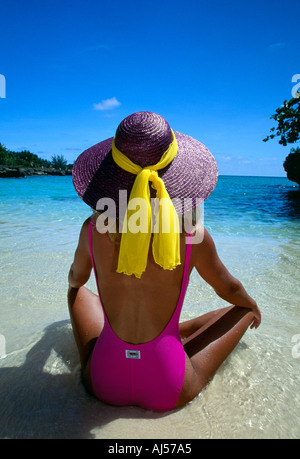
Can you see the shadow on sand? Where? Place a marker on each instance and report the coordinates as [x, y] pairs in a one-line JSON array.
[[42, 395]]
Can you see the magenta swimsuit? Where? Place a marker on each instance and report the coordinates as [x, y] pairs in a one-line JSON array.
[[149, 375]]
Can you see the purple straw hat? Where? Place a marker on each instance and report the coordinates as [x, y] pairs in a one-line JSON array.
[[144, 137]]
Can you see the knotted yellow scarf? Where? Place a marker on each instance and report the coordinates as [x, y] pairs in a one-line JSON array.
[[136, 238]]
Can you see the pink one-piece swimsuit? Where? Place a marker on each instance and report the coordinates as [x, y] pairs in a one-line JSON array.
[[149, 375]]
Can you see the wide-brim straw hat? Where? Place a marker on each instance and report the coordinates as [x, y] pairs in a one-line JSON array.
[[144, 137]]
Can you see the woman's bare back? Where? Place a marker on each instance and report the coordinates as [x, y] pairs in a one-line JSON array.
[[137, 309]]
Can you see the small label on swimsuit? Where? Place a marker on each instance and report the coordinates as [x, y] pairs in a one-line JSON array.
[[133, 354]]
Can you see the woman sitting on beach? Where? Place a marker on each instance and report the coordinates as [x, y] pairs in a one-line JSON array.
[[133, 350]]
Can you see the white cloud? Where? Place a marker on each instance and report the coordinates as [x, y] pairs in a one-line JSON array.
[[271, 158], [245, 161], [278, 45], [226, 158], [107, 104]]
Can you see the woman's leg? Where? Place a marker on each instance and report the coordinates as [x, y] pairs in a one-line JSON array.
[[189, 327], [87, 321], [208, 347]]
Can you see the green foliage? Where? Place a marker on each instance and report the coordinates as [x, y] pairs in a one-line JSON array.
[[4, 154], [25, 158], [288, 129], [59, 162], [292, 165], [288, 119]]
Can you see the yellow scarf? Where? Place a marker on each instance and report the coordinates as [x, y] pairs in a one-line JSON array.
[[136, 232]]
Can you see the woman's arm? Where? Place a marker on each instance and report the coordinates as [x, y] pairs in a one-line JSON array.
[[81, 267], [227, 287]]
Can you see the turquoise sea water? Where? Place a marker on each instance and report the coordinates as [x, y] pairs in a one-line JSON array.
[[255, 222]]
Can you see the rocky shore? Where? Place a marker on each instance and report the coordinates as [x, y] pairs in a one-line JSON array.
[[12, 171]]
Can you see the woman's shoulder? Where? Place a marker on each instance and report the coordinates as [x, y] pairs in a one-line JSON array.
[[84, 231], [86, 223], [202, 240], [204, 248]]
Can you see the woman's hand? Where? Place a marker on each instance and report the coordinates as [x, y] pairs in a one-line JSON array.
[[257, 317]]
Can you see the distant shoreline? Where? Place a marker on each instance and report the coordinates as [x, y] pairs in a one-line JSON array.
[[23, 171], [16, 172]]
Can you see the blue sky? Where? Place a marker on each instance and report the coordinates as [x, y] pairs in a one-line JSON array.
[[216, 70]]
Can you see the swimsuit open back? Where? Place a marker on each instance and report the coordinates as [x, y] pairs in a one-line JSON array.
[[149, 375]]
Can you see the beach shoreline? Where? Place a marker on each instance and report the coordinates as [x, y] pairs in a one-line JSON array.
[[16, 172]]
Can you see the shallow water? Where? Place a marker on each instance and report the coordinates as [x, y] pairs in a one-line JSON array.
[[256, 392]]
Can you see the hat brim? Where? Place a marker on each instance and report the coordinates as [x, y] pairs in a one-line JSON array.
[[189, 178]]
